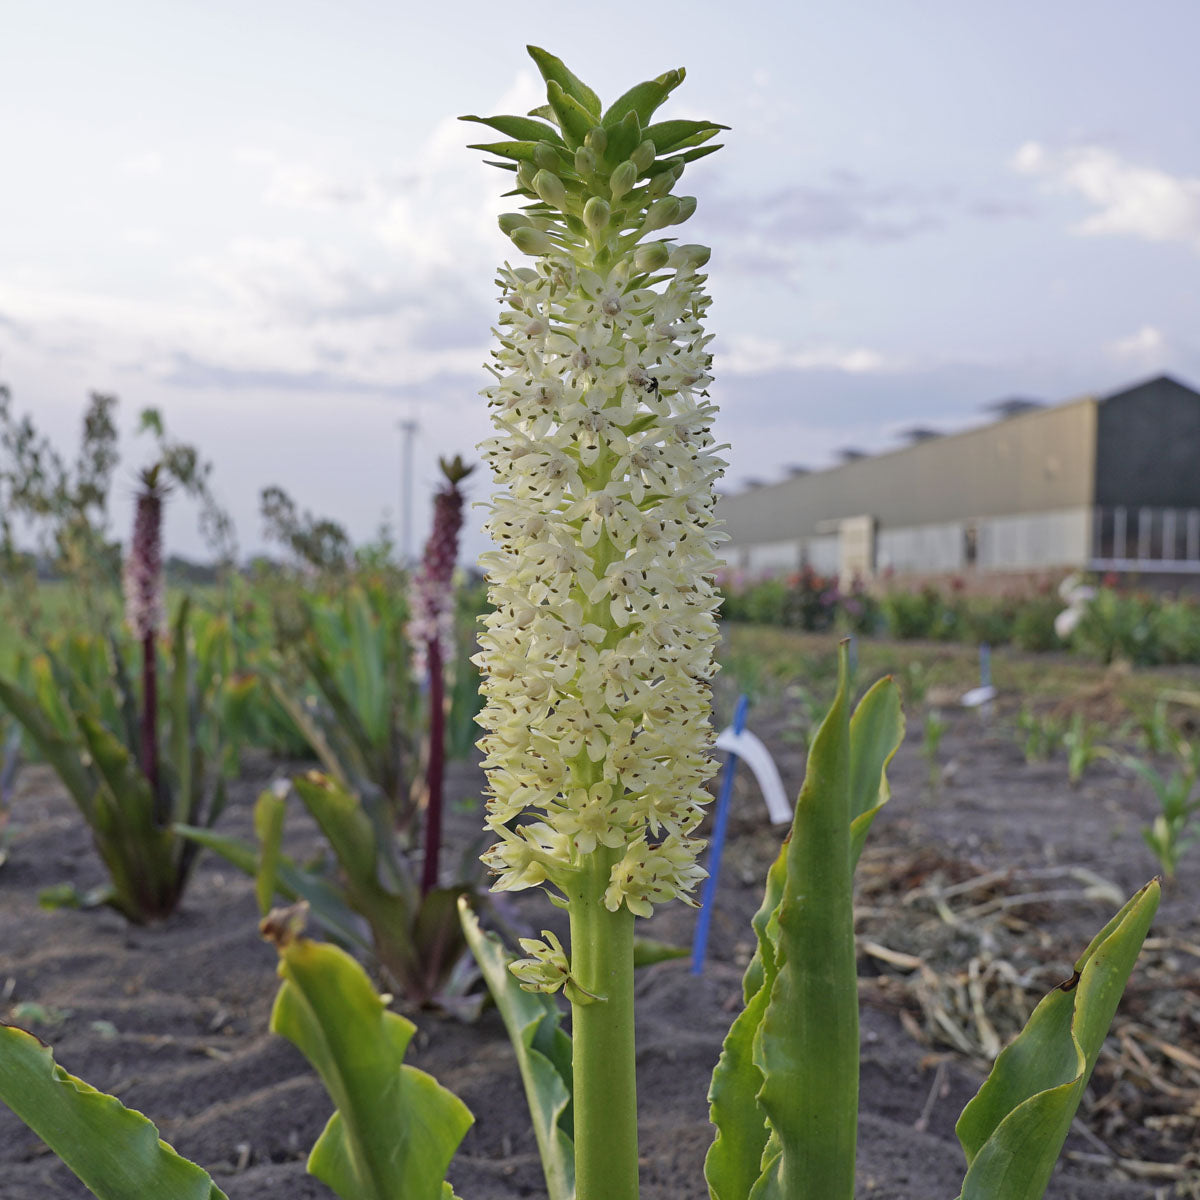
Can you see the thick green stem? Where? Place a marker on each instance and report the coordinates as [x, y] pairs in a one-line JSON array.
[[605, 1087]]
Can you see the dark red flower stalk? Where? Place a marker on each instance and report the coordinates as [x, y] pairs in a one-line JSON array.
[[431, 634], [144, 610]]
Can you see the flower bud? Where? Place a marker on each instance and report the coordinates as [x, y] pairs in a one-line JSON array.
[[525, 174], [622, 179], [689, 256], [596, 213], [545, 157], [661, 213], [585, 161], [510, 222], [653, 256], [643, 156], [551, 189], [531, 241], [663, 182], [596, 140]]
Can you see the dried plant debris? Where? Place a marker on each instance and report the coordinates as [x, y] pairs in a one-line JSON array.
[[963, 954]]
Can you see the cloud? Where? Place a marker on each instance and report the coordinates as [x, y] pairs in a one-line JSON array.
[[17, 329], [749, 355], [1147, 348], [845, 208], [304, 187], [1131, 200], [148, 165], [189, 372]]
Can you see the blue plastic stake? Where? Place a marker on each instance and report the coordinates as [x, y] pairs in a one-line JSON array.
[[985, 665], [700, 941]]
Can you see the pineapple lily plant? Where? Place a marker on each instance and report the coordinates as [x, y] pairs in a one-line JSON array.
[[598, 659]]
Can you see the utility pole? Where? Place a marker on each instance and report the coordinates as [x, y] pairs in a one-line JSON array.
[[408, 430]]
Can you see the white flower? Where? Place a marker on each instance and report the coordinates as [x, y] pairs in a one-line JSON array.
[[599, 653]]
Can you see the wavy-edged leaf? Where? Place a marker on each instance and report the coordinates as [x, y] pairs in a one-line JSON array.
[[807, 1043], [395, 1128], [876, 731], [735, 1159], [521, 129], [114, 1150], [543, 1053], [554, 71], [1013, 1130]]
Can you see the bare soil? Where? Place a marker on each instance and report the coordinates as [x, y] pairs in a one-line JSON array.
[[974, 902]]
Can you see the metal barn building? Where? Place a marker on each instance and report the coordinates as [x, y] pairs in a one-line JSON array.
[[1108, 483]]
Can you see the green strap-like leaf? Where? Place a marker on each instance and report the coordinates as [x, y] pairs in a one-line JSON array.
[[56, 748], [181, 722], [786, 993], [522, 129], [396, 1128], [554, 71], [366, 662], [807, 1047], [1014, 1128], [355, 842], [543, 1053], [623, 138], [269, 811], [648, 951], [643, 99], [310, 729], [357, 740], [573, 118], [292, 882], [517, 151], [669, 136], [114, 1150], [343, 822], [876, 731]]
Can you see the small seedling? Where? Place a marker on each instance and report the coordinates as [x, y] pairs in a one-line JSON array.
[[1039, 735], [933, 731], [1082, 748], [1177, 825]]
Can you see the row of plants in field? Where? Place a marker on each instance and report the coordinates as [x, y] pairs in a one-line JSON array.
[[598, 657], [1142, 628], [144, 726]]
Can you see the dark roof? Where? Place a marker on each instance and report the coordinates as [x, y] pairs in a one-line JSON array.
[[1012, 406]]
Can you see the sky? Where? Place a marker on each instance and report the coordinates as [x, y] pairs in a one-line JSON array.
[[263, 220]]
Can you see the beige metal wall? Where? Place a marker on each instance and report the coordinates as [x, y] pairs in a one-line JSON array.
[[1043, 461]]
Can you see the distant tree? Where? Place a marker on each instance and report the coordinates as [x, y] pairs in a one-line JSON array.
[[318, 543]]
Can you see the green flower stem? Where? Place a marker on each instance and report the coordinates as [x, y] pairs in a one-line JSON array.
[[603, 1063]]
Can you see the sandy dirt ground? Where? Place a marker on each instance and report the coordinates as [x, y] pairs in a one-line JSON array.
[[976, 894]]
